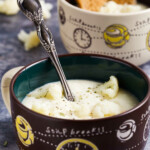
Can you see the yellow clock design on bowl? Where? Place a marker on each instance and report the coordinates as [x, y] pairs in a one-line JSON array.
[[24, 131], [82, 38], [76, 144]]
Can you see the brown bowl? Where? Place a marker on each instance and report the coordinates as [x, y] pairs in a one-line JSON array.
[[125, 131]]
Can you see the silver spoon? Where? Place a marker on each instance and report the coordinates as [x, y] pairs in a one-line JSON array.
[[32, 9]]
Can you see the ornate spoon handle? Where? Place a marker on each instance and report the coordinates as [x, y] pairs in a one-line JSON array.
[[33, 10]]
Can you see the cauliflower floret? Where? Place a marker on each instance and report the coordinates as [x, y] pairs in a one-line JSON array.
[[109, 108], [110, 88], [46, 7], [55, 92], [9, 7], [30, 40], [49, 100], [51, 92], [83, 111], [105, 109], [97, 112], [42, 106], [38, 93]]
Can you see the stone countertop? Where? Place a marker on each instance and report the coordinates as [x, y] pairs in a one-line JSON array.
[[12, 54]]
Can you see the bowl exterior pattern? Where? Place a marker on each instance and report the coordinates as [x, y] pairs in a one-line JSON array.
[[36, 132], [123, 36], [122, 132]]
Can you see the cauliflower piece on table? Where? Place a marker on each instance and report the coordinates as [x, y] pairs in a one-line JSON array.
[[9, 7], [46, 8], [30, 40]]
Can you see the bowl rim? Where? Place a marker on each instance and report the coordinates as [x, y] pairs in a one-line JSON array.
[[142, 12], [117, 60]]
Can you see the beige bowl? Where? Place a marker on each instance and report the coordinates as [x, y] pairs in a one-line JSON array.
[[126, 36]]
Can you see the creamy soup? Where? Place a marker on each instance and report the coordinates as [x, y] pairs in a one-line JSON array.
[[109, 6], [91, 100], [113, 7]]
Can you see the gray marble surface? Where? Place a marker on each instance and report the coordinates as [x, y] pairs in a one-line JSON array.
[[12, 54]]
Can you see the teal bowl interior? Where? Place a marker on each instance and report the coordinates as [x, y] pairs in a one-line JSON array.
[[81, 67]]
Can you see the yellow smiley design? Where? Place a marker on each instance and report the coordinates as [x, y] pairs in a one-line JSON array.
[[77, 142], [24, 131], [116, 36]]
